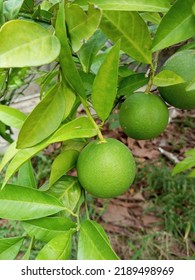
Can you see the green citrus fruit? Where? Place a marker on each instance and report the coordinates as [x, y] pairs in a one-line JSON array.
[[143, 116], [106, 169], [183, 64]]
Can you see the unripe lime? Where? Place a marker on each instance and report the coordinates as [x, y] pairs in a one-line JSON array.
[[106, 169], [143, 116], [183, 64]]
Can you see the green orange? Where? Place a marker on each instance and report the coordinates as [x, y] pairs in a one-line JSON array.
[[106, 169], [183, 64], [143, 116]]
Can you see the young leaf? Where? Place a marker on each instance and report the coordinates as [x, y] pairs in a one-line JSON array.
[[93, 244], [131, 83], [167, 78], [81, 26], [67, 64], [58, 248], [11, 116], [89, 50], [68, 190], [10, 247], [105, 84], [22, 203], [25, 43], [45, 229], [26, 177], [125, 25], [64, 162], [129, 5], [43, 120], [176, 26]]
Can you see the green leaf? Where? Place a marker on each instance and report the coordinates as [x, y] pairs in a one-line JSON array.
[[64, 162], [9, 154], [131, 83], [43, 120], [125, 25], [190, 152], [154, 18], [25, 43], [176, 26], [167, 78], [191, 86], [10, 247], [184, 165], [105, 84], [58, 248], [92, 244], [89, 50], [1, 13], [69, 70], [68, 190], [70, 99], [81, 26], [78, 128], [11, 8], [26, 176], [11, 116], [45, 229], [26, 256], [22, 203], [129, 5]]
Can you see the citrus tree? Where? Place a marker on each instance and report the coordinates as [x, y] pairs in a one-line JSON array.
[[101, 53]]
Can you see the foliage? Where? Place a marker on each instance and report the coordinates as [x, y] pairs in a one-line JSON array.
[[86, 44]]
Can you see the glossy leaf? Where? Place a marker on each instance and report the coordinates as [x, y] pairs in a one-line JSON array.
[[93, 244], [45, 229], [176, 26], [11, 8], [26, 176], [105, 84], [89, 50], [11, 116], [64, 162], [22, 203], [167, 78], [10, 247], [69, 70], [81, 26], [58, 248], [43, 120], [25, 43], [131, 83], [68, 190], [78, 128], [125, 25], [129, 5]]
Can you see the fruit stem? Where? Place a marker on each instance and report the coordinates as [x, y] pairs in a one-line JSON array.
[[152, 71], [86, 107]]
